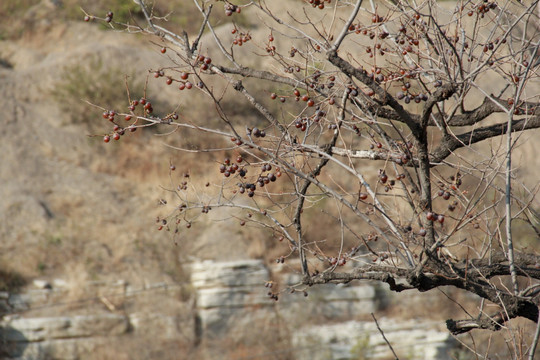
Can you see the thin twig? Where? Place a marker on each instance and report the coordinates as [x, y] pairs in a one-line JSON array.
[[384, 337], [535, 340], [345, 29], [508, 178]]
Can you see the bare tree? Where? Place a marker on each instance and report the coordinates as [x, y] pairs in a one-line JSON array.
[[396, 121]]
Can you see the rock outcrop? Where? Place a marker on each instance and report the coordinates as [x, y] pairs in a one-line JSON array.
[[231, 309], [420, 340]]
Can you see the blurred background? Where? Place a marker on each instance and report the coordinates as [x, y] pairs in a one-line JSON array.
[[85, 272]]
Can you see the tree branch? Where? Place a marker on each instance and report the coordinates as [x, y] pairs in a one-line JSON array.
[[384, 96], [512, 306], [451, 143]]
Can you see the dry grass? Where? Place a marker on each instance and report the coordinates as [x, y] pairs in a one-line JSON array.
[[28, 15], [11, 280]]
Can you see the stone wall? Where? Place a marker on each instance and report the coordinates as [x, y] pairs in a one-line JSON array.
[[230, 310], [60, 337], [418, 340], [323, 325], [45, 323]]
